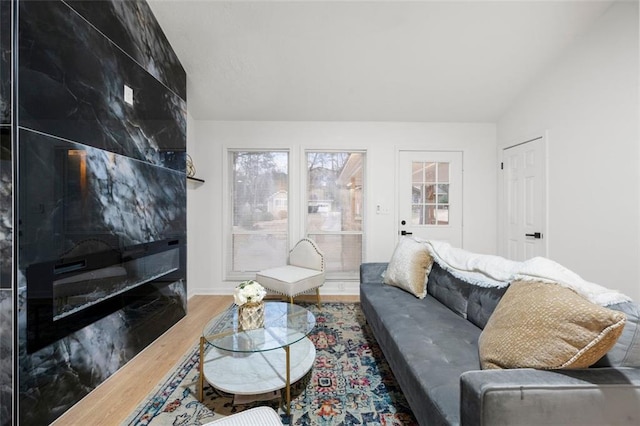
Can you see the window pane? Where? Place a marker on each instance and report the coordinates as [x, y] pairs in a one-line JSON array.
[[260, 191], [431, 194], [430, 215], [254, 252], [417, 212], [260, 209], [443, 172], [417, 172], [443, 215], [334, 191], [443, 193], [430, 172], [342, 253], [417, 194]]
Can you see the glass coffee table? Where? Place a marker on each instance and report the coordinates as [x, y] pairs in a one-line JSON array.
[[248, 362]]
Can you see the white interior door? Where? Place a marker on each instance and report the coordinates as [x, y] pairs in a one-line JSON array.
[[430, 195], [525, 200]]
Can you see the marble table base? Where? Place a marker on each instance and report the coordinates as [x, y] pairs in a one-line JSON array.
[[253, 373]]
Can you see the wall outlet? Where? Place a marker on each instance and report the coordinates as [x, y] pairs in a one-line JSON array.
[[128, 95]]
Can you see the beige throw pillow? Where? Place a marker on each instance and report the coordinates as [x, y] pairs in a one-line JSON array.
[[547, 326], [409, 267]]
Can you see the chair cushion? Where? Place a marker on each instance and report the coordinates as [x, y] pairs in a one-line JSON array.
[[290, 280]]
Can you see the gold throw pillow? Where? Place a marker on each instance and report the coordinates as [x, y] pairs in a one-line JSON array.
[[547, 326]]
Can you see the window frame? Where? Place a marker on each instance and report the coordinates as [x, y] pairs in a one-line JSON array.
[[297, 217], [227, 211]]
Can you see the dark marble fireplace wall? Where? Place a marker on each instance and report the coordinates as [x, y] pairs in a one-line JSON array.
[[73, 60], [6, 218]]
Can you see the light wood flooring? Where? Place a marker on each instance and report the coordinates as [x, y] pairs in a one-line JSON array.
[[116, 398]]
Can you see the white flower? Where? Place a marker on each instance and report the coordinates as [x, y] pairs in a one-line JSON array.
[[248, 291]]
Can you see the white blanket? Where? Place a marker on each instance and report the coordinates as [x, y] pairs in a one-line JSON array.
[[543, 269], [495, 271], [481, 270]]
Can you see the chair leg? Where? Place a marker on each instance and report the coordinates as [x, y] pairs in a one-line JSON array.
[[318, 296]]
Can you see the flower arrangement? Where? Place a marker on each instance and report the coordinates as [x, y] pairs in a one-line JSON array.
[[248, 292]]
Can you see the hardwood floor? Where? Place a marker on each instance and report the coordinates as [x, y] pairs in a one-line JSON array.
[[113, 401]]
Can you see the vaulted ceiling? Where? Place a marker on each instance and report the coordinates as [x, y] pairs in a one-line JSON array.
[[433, 61]]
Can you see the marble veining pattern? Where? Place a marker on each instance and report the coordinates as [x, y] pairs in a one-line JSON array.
[[94, 169], [132, 26], [71, 84], [5, 62], [6, 359], [6, 220], [56, 377], [6, 207], [101, 196]]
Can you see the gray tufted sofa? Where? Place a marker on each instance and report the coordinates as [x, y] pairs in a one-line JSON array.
[[432, 348]]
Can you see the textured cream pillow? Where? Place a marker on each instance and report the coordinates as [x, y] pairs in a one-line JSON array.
[[409, 267], [547, 326]]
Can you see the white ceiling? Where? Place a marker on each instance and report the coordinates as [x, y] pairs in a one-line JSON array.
[[432, 61]]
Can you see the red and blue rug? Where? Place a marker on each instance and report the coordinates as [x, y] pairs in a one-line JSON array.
[[350, 383]]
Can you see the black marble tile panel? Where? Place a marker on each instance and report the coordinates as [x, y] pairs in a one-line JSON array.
[[132, 26], [6, 357], [72, 193], [5, 62], [71, 85], [6, 207], [53, 379]]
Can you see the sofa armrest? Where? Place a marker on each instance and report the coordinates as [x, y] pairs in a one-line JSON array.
[[372, 272], [596, 396]]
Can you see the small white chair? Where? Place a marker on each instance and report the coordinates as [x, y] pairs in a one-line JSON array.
[[263, 416], [304, 272]]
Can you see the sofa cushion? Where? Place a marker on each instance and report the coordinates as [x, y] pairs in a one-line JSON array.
[[470, 301], [547, 326], [409, 267], [449, 290], [482, 302], [427, 347]]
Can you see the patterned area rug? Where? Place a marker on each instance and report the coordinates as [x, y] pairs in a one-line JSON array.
[[350, 383]]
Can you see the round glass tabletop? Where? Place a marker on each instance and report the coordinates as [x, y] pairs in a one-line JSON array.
[[284, 324]]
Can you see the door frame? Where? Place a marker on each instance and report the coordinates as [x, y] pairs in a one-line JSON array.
[[502, 207]]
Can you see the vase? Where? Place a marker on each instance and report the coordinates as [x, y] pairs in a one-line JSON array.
[[251, 315]]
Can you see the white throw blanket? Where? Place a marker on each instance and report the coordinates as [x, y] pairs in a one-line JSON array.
[[495, 271], [481, 270]]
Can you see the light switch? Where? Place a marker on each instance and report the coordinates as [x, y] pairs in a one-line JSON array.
[[128, 95]]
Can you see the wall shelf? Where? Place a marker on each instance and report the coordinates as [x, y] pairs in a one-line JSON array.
[[195, 179]]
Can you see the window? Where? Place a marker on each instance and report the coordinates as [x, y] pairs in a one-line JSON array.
[[259, 184], [335, 183], [430, 193]]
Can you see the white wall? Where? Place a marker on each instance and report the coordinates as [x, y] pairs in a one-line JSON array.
[[209, 139], [588, 102]]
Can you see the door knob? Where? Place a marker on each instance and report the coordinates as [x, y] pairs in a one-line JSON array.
[[406, 233], [535, 235]]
